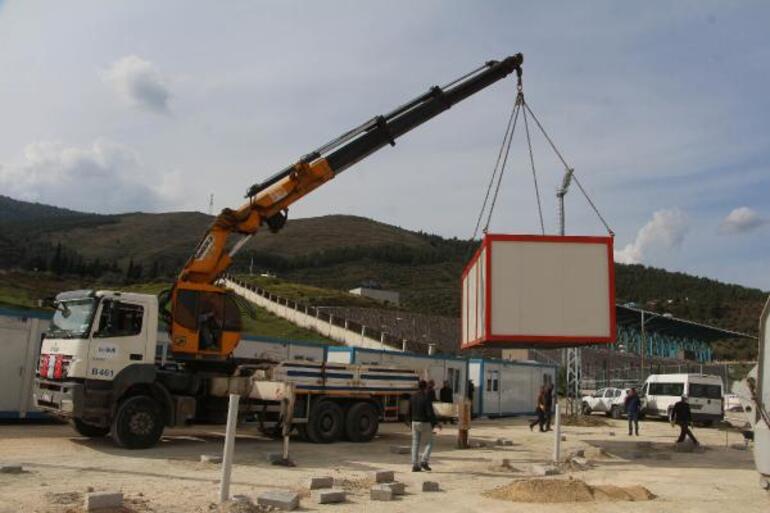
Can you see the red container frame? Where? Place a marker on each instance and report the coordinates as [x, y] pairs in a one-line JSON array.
[[535, 341]]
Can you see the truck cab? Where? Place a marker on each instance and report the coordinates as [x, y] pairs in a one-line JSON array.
[[100, 345]]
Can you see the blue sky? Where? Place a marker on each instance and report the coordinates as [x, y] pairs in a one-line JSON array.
[[661, 108]]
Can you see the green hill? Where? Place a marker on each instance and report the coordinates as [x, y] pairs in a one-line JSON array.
[[330, 252]]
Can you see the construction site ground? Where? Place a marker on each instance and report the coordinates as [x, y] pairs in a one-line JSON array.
[[60, 467]]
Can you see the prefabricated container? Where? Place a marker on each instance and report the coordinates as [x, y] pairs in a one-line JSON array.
[[436, 367], [21, 332], [506, 388], [539, 291]]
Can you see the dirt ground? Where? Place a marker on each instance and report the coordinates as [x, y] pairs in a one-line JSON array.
[[60, 467]]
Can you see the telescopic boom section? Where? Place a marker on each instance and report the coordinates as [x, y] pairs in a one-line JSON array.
[[268, 202]]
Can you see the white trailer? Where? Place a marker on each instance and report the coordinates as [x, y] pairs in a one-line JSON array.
[[439, 368], [21, 332], [506, 388]]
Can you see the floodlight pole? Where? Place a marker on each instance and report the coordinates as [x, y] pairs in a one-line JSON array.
[[573, 354]]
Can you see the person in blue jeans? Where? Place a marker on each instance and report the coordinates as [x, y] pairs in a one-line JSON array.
[[633, 407], [423, 421]]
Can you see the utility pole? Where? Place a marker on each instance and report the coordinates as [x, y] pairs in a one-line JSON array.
[[211, 204]]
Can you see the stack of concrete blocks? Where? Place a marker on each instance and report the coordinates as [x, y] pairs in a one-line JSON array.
[[326, 494], [386, 488]]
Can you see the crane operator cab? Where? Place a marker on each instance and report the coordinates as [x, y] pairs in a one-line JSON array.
[[205, 320]]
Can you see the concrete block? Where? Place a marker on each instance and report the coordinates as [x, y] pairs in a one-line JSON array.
[[381, 493], [382, 476], [10, 469], [211, 458], [580, 462], [281, 499], [739, 447], [396, 487], [400, 449], [103, 500], [320, 482], [331, 496], [543, 470], [430, 486]]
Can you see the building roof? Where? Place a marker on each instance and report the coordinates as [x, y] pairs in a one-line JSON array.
[[631, 317]]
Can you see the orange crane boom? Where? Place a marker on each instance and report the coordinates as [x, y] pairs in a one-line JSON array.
[[205, 321]]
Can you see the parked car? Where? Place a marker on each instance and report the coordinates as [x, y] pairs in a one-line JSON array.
[[704, 392], [611, 401]]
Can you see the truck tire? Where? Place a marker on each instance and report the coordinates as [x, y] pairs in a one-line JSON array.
[[615, 412], [326, 423], [89, 430], [361, 422], [138, 423]]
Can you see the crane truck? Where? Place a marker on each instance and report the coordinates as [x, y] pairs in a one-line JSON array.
[[100, 363]]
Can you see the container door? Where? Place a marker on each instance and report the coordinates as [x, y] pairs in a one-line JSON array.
[[13, 346]]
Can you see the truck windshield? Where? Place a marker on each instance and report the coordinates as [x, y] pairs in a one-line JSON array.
[[72, 318]]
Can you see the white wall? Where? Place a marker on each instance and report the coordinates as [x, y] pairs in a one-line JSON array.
[[20, 338]]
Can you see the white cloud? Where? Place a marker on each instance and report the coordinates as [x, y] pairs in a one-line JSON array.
[[106, 177], [742, 219], [139, 83], [665, 231]]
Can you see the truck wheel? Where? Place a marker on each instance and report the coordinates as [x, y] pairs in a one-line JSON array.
[[361, 422], [615, 412], [138, 423], [325, 424], [586, 409], [89, 430]]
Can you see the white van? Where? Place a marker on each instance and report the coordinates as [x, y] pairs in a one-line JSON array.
[[704, 393]]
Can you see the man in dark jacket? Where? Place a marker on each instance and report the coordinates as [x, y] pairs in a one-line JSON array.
[[633, 406], [423, 421], [446, 395], [682, 416], [548, 406], [539, 411]]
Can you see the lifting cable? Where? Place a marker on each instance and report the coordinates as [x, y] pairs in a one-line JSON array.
[[520, 106]]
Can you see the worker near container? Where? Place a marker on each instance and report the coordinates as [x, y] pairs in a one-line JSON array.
[[423, 421], [682, 416], [539, 411], [548, 406], [446, 394], [633, 406], [432, 390]]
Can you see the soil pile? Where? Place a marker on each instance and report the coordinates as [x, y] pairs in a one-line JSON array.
[[566, 490], [583, 421]]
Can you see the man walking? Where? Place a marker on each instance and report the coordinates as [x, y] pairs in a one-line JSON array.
[[682, 415], [423, 421], [548, 406], [539, 411], [633, 406]]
